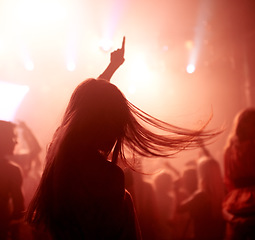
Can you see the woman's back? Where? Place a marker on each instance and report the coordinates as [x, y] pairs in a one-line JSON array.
[[90, 205], [205, 204], [239, 163]]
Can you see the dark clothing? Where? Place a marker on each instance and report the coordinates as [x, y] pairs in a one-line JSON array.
[[89, 201], [206, 227], [10, 189]]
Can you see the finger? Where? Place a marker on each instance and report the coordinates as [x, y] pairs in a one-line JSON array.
[[123, 44]]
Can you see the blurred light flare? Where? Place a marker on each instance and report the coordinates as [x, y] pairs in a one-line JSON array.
[[29, 65], [111, 17], [139, 73], [11, 96], [38, 12], [71, 50], [195, 46], [190, 68], [70, 65], [106, 44]]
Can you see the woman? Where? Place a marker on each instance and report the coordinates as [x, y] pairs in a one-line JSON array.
[[82, 193], [11, 178], [239, 159], [205, 205]]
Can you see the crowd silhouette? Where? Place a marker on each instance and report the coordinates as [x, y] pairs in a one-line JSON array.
[[16, 183], [92, 186]]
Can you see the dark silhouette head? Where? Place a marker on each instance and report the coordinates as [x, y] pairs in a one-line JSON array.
[[8, 138], [96, 116], [164, 182], [211, 182], [245, 125]]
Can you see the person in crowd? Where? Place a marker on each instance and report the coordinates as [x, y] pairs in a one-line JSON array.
[[144, 199], [239, 165], [28, 149], [205, 204], [27, 157], [165, 200], [11, 195], [82, 191], [189, 180], [184, 186]]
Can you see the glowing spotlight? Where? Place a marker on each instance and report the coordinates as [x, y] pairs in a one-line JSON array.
[[106, 45], [11, 96], [29, 65], [139, 69], [141, 76], [190, 68], [70, 65]]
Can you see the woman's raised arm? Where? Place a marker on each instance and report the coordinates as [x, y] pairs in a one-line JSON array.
[[117, 59]]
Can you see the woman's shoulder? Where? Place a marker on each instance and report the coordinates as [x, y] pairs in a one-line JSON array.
[[96, 165], [113, 173]]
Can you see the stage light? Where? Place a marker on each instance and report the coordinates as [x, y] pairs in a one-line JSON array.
[[11, 96], [190, 68], [29, 65], [106, 45], [70, 65], [141, 76]]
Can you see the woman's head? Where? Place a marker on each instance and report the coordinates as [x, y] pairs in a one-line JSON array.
[[245, 125], [208, 172], [211, 182], [99, 117], [96, 115]]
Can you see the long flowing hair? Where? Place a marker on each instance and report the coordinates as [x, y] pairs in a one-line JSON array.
[[239, 151], [243, 128], [99, 118]]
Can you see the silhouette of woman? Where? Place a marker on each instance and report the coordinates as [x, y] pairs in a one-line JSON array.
[[82, 194], [239, 161], [11, 178], [205, 204]]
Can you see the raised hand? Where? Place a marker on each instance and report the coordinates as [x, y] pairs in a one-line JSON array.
[[117, 59], [117, 56]]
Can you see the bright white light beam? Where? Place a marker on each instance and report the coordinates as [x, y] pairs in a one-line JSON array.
[[11, 96], [199, 33]]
